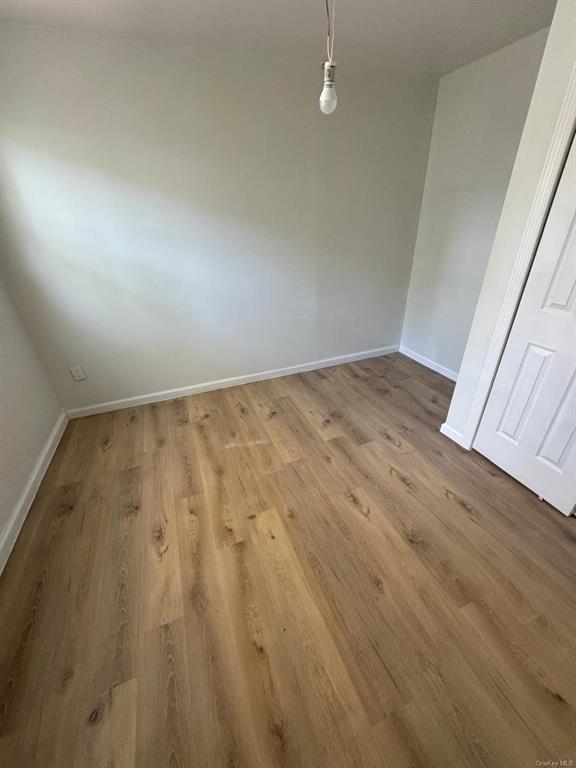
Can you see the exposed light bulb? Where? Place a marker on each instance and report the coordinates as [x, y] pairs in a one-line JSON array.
[[328, 99]]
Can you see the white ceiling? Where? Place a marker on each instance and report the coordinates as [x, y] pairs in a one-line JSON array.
[[413, 37]]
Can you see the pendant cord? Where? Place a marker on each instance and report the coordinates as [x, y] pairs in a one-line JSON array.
[[330, 36]]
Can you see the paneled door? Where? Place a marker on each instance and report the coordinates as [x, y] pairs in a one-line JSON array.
[[529, 424]]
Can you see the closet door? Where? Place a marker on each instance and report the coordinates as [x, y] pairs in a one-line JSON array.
[[529, 424]]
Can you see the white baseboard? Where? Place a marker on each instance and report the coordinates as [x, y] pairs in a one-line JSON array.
[[15, 522], [234, 381], [454, 435], [441, 369]]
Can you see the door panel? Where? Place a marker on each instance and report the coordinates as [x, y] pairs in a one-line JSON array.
[[525, 390], [559, 438], [529, 424]]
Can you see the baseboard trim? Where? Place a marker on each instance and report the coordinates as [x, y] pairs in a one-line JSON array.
[[454, 435], [234, 381], [16, 520], [441, 369]]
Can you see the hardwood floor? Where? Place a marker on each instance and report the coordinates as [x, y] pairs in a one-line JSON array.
[[296, 573]]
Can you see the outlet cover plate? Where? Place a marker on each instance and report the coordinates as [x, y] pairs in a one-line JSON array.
[[78, 373]]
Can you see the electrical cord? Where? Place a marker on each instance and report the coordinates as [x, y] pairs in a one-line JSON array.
[[330, 36]]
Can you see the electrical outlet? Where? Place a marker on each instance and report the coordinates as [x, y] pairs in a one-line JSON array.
[[78, 373]]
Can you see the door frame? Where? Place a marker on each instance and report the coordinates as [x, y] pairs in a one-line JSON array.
[[549, 178]]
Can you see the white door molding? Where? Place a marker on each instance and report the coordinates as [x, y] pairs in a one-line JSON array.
[[549, 177]]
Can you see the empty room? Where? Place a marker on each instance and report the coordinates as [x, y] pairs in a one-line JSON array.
[[287, 383]]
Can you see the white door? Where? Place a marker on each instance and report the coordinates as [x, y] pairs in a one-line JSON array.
[[529, 424]]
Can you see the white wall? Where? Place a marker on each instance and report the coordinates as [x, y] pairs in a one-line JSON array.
[[480, 112], [517, 231], [29, 409], [178, 216]]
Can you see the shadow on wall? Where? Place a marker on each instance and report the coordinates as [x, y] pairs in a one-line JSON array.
[[127, 269], [118, 264], [122, 264], [168, 227]]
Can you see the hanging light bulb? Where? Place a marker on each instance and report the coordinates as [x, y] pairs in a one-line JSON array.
[[328, 98]]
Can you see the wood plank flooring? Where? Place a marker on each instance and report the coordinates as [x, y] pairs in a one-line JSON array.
[[298, 573]]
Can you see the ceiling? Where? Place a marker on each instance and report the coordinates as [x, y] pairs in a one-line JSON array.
[[417, 38]]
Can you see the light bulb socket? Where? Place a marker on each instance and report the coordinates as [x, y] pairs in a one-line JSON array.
[[329, 68]]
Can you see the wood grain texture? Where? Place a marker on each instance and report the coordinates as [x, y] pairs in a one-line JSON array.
[[299, 573]]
